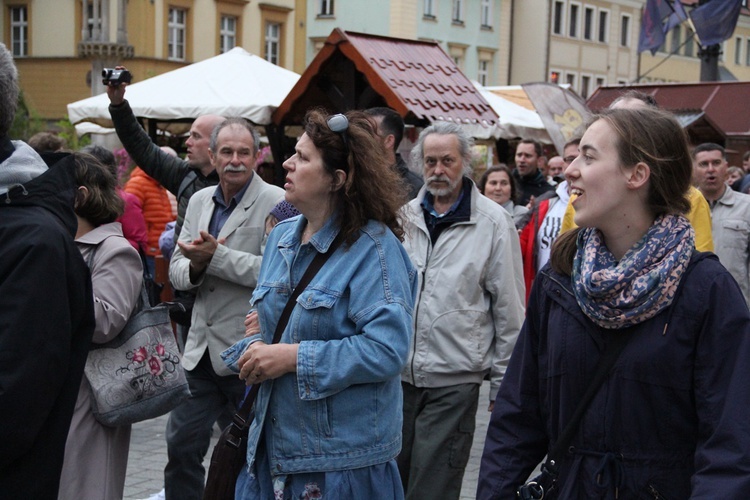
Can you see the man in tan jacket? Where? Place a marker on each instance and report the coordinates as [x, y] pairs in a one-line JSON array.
[[218, 256]]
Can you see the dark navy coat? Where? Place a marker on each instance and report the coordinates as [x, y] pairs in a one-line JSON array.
[[672, 419], [46, 324]]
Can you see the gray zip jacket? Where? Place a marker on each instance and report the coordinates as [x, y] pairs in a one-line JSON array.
[[470, 303]]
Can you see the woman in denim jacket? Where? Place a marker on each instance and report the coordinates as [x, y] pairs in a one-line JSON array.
[[328, 415]]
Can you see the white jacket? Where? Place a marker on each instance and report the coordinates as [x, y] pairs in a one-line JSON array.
[[470, 305], [224, 289]]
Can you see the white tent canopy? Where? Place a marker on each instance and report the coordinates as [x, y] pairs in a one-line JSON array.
[[235, 83], [515, 120]]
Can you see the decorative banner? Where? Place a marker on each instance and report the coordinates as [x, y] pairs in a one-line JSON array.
[[563, 112], [715, 21], [653, 25]]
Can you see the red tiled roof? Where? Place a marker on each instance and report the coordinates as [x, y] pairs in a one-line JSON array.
[[416, 78], [725, 103]]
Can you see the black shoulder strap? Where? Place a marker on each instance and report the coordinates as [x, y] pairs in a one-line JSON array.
[[241, 416], [614, 346]]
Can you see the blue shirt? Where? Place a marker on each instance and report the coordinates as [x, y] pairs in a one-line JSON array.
[[222, 211]]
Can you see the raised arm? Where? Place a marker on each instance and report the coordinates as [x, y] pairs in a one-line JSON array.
[[166, 169]]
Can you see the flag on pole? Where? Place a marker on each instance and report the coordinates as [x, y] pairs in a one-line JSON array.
[[659, 17], [715, 20], [563, 113]]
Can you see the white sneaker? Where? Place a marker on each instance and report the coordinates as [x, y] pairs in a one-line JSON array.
[[157, 496]]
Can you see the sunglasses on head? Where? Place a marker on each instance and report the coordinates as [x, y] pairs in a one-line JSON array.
[[339, 123]]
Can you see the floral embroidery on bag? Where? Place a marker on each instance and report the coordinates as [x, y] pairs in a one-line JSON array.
[[150, 364]]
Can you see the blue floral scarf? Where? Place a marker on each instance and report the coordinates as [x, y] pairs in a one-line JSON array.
[[643, 283]]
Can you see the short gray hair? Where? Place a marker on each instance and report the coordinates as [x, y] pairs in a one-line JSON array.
[[8, 90], [240, 122], [465, 142]]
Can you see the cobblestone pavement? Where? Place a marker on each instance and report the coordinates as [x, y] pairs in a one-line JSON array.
[[148, 455]]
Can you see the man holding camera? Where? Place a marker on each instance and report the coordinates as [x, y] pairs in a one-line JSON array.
[[183, 178]]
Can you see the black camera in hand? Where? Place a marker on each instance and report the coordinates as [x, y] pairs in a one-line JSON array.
[[115, 77]]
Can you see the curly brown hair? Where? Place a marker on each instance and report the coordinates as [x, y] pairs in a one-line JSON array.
[[372, 190]]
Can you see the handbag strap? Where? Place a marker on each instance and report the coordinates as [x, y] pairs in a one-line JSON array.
[[614, 346], [144, 302], [240, 419]]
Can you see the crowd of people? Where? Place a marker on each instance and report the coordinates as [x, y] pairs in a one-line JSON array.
[[366, 305]]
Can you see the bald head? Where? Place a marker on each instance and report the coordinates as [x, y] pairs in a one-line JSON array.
[[555, 166], [198, 142]]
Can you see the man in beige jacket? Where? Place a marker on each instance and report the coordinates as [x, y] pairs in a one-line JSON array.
[[217, 256]]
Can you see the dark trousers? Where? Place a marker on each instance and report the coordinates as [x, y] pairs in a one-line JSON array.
[[190, 426], [437, 436]]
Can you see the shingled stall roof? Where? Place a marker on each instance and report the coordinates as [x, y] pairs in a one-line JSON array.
[[358, 71], [710, 111], [725, 104]]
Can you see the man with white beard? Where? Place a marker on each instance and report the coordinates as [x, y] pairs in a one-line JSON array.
[[218, 256], [470, 308]]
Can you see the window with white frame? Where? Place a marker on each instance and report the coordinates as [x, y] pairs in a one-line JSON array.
[[574, 15], [19, 31], [570, 79], [326, 8], [457, 11], [485, 14], [93, 20], [676, 39], [585, 86], [273, 37], [559, 18], [603, 26], [227, 33], [554, 76], [738, 50], [747, 53], [483, 73], [588, 23], [625, 30], [176, 31], [600, 82], [429, 8], [458, 54]]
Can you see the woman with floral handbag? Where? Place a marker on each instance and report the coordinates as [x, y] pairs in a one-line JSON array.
[[96, 456]]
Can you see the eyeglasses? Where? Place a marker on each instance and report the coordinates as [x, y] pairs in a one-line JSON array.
[[569, 159], [339, 123]]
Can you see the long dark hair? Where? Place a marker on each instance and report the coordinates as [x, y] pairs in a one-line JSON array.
[[372, 190], [655, 138]]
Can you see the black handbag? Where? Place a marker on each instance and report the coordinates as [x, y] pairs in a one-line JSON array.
[[230, 453], [542, 485]]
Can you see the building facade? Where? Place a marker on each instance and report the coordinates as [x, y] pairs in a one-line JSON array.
[[63, 44], [60, 46], [475, 33]]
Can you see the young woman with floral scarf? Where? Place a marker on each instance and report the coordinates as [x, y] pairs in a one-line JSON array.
[[670, 420]]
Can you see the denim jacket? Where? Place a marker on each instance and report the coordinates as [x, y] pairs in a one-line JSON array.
[[353, 323]]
